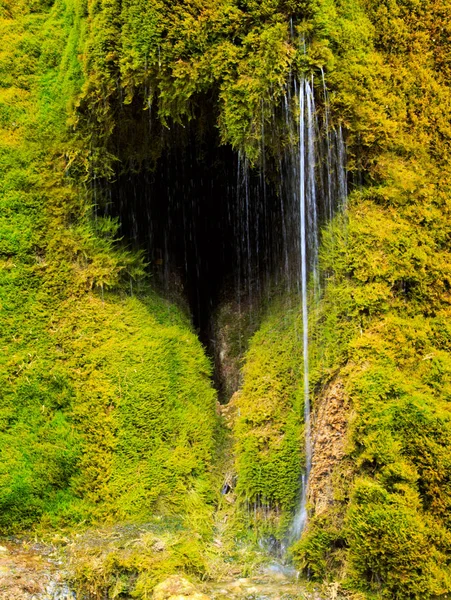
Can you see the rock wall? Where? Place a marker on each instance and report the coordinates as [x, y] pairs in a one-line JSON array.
[[329, 441]]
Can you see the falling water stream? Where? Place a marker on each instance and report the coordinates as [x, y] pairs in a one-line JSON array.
[[307, 200], [319, 188]]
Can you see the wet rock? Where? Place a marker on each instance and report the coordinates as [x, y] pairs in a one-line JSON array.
[[29, 574], [257, 588], [57, 591], [329, 442], [177, 588]]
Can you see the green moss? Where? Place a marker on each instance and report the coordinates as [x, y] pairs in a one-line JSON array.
[[268, 430], [409, 559], [131, 560], [321, 549], [380, 323], [99, 388]]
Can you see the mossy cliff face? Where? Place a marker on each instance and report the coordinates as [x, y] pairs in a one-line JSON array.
[[107, 406], [107, 409], [268, 431], [383, 325]]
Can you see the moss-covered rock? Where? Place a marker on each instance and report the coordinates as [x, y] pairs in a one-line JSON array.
[[107, 405], [268, 430], [107, 409]]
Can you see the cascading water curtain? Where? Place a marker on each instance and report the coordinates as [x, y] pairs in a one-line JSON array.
[[318, 189]]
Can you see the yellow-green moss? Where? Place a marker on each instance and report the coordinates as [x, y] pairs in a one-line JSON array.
[[83, 370], [268, 430], [383, 319], [107, 406]]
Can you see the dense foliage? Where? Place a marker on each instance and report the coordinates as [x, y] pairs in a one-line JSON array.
[[383, 321]]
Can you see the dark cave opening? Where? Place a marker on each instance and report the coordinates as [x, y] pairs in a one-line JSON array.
[[211, 227]]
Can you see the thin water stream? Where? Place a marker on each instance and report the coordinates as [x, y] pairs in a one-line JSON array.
[[319, 189]]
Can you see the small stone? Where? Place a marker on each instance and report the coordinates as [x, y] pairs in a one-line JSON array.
[[158, 546], [177, 588]]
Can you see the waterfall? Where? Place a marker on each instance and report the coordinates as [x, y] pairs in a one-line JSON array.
[[319, 188], [221, 232]]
